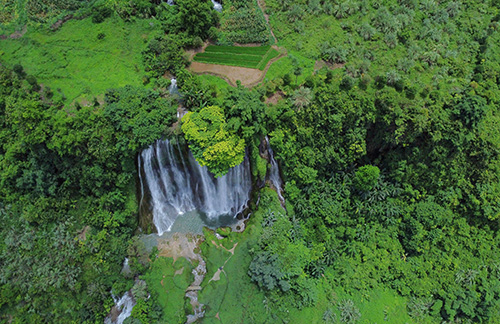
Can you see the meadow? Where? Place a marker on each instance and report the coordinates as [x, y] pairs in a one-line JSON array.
[[82, 60], [250, 57]]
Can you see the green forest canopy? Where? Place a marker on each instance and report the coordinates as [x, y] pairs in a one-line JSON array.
[[384, 120]]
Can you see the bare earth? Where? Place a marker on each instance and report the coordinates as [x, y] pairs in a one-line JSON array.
[[231, 74], [319, 64], [16, 35], [180, 245], [274, 98]]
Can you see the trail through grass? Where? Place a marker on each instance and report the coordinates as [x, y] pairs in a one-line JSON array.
[[169, 280]]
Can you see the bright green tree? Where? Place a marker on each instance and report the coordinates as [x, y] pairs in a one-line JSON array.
[[210, 142], [366, 177]]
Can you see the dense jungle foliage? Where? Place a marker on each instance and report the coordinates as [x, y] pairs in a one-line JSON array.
[[384, 119]]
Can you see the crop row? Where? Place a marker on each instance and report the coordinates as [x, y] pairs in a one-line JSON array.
[[239, 57], [228, 61], [257, 50]]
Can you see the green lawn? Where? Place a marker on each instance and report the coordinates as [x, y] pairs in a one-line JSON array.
[[78, 63], [250, 57]]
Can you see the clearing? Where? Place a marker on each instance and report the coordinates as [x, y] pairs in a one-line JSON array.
[[82, 60]]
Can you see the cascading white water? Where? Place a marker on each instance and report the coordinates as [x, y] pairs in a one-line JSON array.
[[125, 305], [199, 274], [217, 6], [140, 179], [178, 184], [173, 89], [274, 172]]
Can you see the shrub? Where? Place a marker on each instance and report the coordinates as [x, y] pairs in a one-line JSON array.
[[19, 70], [100, 13], [287, 79], [349, 313], [32, 81], [366, 177], [347, 83]]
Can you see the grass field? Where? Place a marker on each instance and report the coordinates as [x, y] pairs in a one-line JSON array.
[[78, 62], [169, 281], [285, 65], [250, 57]]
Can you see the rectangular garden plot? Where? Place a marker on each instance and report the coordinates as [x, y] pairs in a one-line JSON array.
[[250, 57]]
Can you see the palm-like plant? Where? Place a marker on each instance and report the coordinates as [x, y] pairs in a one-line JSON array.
[[302, 97]]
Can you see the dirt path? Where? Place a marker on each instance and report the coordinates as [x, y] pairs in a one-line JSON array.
[[17, 34], [192, 52], [262, 6]]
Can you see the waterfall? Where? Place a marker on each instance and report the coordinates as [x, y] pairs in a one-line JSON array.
[[217, 6], [140, 179], [126, 268], [125, 306], [178, 184], [274, 172], [172, 89]]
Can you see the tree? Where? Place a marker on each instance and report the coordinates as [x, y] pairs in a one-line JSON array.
[[297, 69], [471, 110], [245, 112], [366, 177], [210, 142], [196, 17], [164, 53], [302, 97]]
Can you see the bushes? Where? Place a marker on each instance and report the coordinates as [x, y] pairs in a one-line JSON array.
[[335, 54], [265, 271], [164, 53], [100, 12], [245, 24]]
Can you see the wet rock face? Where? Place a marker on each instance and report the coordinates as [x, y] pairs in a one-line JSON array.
[[122, 309], [274, 176], [173, 183], [199, 274], [264, 149]]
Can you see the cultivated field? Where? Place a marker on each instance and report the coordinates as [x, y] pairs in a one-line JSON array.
[[249, 57]]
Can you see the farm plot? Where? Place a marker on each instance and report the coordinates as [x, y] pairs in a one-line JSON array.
[[250, 57]]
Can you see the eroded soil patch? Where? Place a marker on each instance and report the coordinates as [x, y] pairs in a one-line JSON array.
[[180, 245]]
